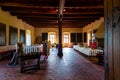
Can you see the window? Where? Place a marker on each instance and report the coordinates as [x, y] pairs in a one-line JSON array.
[[28, 37], [66, 38], [52, 38], [89, 38]]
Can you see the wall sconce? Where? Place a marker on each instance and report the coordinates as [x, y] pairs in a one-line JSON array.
[[64, 10], [56, 10]]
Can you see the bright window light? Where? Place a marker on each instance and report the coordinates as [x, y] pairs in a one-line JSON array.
[[66, 38], [52, 38]]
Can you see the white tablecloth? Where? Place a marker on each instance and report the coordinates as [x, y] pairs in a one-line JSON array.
[[87, 51]]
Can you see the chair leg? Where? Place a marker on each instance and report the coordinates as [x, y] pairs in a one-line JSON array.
[[25, 67], [22, 70], [38, 63]]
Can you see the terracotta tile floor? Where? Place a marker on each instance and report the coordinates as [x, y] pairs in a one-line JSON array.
[[72, 66]]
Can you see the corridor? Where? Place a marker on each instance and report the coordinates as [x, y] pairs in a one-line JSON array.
[[72, 66]]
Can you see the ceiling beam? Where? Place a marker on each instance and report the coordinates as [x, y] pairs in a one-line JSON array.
[[53, 17], [31, 14], [53, 22], [39, 19], [83, 2], [32, 9], [79, 15], [29, 4], [68, 20], [82, 20], [40, 5], [34, 12], [55, 25], [56, 15], [76, 9], [46, 13], [83, 13], [46, 20]]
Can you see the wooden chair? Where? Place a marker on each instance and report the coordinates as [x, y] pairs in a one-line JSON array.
[[28, 53], [100, 56]]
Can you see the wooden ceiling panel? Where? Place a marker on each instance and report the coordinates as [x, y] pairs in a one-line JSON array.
[[44, 13], [83, 2], [30, 2]]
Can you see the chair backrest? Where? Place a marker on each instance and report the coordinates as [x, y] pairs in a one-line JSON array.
[[20, 48], [28, 50]]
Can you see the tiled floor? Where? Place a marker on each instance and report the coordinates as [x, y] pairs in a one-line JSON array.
[[72, 66]]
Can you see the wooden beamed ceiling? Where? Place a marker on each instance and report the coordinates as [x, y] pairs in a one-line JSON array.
[[44, 13]]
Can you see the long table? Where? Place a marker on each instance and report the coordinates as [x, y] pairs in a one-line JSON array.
[[87, 51]]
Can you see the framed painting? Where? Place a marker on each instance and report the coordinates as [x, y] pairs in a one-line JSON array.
[[73, 37], [85, 37], [13, 35], [44, 36], [79, 37], [2, 34], [22, 36]]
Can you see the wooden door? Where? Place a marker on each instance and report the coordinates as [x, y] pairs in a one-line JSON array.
[[112, 39]]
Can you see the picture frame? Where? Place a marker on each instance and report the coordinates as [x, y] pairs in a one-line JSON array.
[[22, 36], [13, 35], [2, 34]]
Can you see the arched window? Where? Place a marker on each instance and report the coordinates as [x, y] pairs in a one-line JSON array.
[[66, 38], [28, 37], [52, 37]]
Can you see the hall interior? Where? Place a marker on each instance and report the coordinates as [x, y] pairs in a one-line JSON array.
[[77, 25], [34, 21]]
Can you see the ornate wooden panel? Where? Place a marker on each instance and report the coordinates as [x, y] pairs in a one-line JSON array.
[[112, 39]]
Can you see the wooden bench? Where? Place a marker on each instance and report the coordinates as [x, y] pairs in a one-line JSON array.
[[29, 53], [6, 54]]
